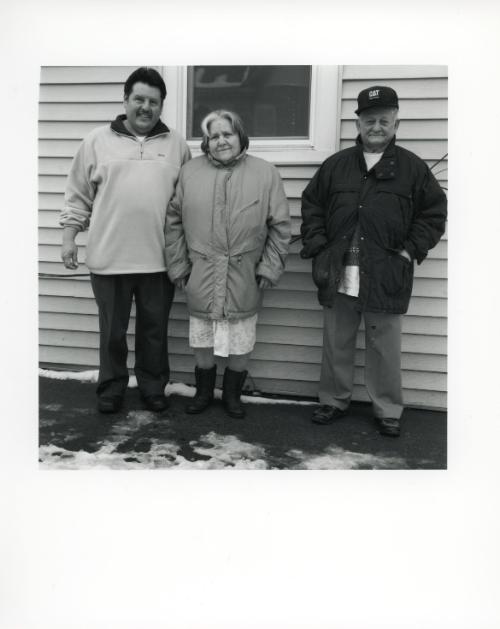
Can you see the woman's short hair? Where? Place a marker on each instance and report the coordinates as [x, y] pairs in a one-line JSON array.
[[233, 119], [150, 76]]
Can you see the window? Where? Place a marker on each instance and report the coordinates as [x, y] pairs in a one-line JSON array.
[[290, 112], [273, 101]]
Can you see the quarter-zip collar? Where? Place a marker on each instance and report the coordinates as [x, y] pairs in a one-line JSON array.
[[386, 167], [118, 126]]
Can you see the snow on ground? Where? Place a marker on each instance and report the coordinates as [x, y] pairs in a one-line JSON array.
[[176, 388], [335, 458], [212, 452]]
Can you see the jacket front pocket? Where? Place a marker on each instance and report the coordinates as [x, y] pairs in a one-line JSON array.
[[396, 275]]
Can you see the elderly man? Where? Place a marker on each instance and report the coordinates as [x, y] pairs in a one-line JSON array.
[[119, 186], [368, 213]]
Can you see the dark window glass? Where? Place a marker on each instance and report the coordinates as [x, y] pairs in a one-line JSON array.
[[273, 101]]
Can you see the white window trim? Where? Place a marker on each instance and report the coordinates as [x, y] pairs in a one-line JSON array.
[[323, 124]]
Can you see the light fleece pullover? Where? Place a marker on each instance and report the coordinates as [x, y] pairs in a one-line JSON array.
[[119, 188]]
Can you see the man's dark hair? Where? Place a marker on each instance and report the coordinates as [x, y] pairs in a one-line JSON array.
[[145, 75]]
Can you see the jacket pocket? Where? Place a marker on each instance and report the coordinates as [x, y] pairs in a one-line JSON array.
[[199, 287], [247, 206], [396, 275]]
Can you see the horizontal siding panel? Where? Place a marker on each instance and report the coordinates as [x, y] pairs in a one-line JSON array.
[[64, 130], [305, 172], [51, 183], [435, 87], [408, 109], [54, 165], [102, 112], [49, 219], [85, 74], [58, 148], [50, 201], [393, 72], [84, 93]]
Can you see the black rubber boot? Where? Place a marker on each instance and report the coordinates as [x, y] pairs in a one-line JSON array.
[[205, 383], [231, 391]]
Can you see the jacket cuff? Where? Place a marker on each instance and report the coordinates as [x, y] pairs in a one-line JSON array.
[[414, 254], [265, 271], [178, 271]]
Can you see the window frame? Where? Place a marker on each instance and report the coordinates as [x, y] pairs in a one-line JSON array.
[[323, 120]]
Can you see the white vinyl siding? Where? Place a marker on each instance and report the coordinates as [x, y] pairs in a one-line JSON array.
[[287, 356]]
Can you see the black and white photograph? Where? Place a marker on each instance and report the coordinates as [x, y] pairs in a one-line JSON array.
[[248, 303], [256, 216]]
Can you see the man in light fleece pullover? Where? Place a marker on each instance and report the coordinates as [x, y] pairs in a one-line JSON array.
[[119, 187]]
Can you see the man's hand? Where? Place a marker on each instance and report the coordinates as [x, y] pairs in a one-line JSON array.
[[405, 254], [69, 255], [263, 282]]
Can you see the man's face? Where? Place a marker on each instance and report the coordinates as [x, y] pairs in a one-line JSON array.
[[143, 108], [377, 127]]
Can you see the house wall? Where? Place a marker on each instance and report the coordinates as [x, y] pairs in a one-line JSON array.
[[286, 360]]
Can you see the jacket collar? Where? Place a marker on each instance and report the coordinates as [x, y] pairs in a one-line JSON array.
[[231, 164], [119, 127], [386, 168]]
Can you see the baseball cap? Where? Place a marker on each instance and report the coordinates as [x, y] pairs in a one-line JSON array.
[[376, 96]]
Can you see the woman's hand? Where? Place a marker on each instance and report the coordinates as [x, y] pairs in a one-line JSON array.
[[180, 283], [263, 282]]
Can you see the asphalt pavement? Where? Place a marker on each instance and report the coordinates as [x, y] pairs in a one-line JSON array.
[[73, 434]]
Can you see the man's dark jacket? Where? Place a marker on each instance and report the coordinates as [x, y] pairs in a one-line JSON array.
[[398, 204]]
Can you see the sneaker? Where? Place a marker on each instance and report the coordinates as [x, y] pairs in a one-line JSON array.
[[326, 414], [389, 426]]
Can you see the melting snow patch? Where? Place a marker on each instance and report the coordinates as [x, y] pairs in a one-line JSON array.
[[50, 407], [217, 452], [228, 450], [335, 458]]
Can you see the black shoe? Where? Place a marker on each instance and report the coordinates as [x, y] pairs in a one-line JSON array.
[[205, 383], [155, 403], [389, 426], [231, 391], [326, 414], [109, 403]]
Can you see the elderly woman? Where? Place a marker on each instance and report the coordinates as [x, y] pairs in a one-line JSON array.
[[227, 236]]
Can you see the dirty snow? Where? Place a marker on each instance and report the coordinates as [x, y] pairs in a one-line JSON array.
[[335, 458], [212, 451]]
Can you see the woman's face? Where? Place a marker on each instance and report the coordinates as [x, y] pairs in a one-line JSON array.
[[223, 143]]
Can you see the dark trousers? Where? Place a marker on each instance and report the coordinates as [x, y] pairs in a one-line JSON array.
[[153, 293]]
